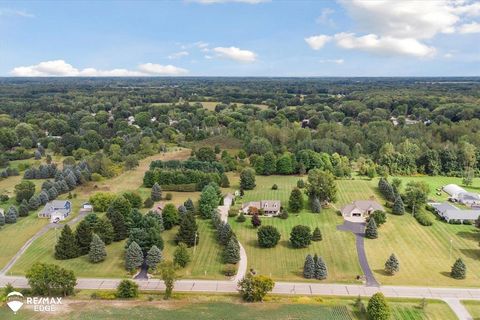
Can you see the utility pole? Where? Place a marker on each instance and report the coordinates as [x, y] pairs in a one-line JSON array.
[[195, 243]]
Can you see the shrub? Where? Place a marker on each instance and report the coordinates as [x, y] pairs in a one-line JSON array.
[[268, 236], [256, 222], [127, 289], [180, 256], [317, 234], [241, 218], [232, 212], [168, 196], [96, 177], [275, 187], [283, 214], [301, 236], [230, 270], [148, 203], [423, 218], [300, 184], [379, 216], [254, 288]]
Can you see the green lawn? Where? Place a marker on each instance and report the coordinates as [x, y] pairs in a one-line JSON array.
[[223, 307], [473, 307], [284, 262]]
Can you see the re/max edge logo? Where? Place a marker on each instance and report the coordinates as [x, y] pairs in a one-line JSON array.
[[15, 301]]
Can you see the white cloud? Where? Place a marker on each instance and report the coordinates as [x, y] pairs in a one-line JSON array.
[[336, 61], [317, 42], [229, 1], [18, 13], [60, 68], [473, 27], [324, 17], [448, 55], [384, 45], [178, 55], [235, 53]]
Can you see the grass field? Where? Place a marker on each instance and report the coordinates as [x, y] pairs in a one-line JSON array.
[[284, 262], [473, 307], [210, 105], [222, 307]]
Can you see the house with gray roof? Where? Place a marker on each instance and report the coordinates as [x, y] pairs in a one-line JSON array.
[[360, 209], [270, 207], [449, 212], [61, 208], [458, 194]]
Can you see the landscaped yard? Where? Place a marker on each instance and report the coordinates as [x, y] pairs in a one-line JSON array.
[[220, 307], [473, 307]]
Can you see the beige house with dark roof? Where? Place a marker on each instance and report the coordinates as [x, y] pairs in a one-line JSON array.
[[360, 209], [270, 207]]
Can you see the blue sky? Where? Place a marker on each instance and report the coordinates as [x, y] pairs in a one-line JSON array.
[[240, 38]]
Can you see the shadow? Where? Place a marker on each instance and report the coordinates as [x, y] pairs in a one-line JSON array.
[[253, 243], [474, 235], [285, 244], [445, 274], [471, 253], [382, 272]]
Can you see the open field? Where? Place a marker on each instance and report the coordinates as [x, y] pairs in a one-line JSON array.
[[218, 307], [285, 263], [231, 144], [210, 105]]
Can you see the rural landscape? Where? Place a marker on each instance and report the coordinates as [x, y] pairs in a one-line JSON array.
[[266, 160]]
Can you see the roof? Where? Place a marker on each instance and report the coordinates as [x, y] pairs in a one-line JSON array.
[[449, 211], [453, 189], [267, 205], [363, 205], [58, 203], [468, 196]]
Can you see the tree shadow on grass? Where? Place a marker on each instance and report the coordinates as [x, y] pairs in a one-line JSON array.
[[445, 274], [285, 244], [382, 272], [472, 235], [471, 253]]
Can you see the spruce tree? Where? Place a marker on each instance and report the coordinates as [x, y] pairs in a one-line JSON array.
[[295, 202], [23, 209], [156, 193], [83, 236], [224, 182], [34, 203], [377, 308], [154, 256], [43, 197], [316, 205], [52, 193], [104, 229], [309, 268], [188, 231], [120, 229], [133, 257], [321, 272], [66, 247], [11, 215], [224, 233], [182, 211], [189, 206], [231, 253], [398, 207], [2, 219], [317, 234], [97, 252], [392, 265], [180, 256], [371, 229], [459, 269]]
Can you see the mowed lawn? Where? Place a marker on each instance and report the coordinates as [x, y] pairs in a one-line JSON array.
[[284, 262], [473, 307], [221, 307]]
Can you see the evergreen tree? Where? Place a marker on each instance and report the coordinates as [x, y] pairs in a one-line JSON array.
[[154, 257], [398, 207], [181, 257], [133, 257], [120, 229], [224, 182], [97, 252], [241, 217], [316, 205], [321, 272], [224, 233], [317, 234], [170, 216], [2, 219], [247, 179], [52, 193], [315, 258], [216, 220], [156, 193], [34, 203], [11, 215], [188, 231], [66, 247], [189, 206], [459, 269], [104, 229], [182, 211], [309, 268], [231, 252], [377, 308], [371, 229], [23, 208], [392, 265], [83, 236], [295, 203], [208, 201], [256, 222]]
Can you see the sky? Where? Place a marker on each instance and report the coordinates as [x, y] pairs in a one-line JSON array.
[[240, 38]]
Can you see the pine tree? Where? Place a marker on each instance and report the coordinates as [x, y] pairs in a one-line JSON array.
[[459, 269], [83, 236], [309, 268], [23, 209], [66, 247], [2, 219], [154, 256], [371, 229], [398, 207], [231, 253], [295, 202], [392, 265], [120, 229], [377, 308], [181, 257], [321, 272], [317, 234], [43, 197], [11, 215], [224, 233], [156, 193], [104, 229], [133, 257], [316, 205], [34, 203], [182, 211], [224, 182], [189, 206], [256, 222], [52, 193], [97, 252], [188, 231]]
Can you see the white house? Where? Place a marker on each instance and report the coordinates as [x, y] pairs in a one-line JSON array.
[[450, 212], [360, 209], [458, 194], [270, 207], [59, 207]]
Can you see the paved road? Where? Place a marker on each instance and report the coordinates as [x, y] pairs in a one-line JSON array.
[[359, 230], [37, 235]]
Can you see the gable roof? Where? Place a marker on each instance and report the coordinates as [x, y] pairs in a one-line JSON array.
[[362, 205], [449, 211], [267, 205]]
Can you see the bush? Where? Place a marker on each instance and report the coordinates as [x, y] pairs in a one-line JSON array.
[[148, 203], [103, 295], [230, 270], [268, 236], [254, 288], [283, 214], [301, 236], [4, 198], [232, 212], [241, 218], [127, 289], [379, 216], [423, 218], [96, 177], [168, 196], [275, 187]]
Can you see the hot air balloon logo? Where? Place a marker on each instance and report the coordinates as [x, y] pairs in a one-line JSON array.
[[15, 301]]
